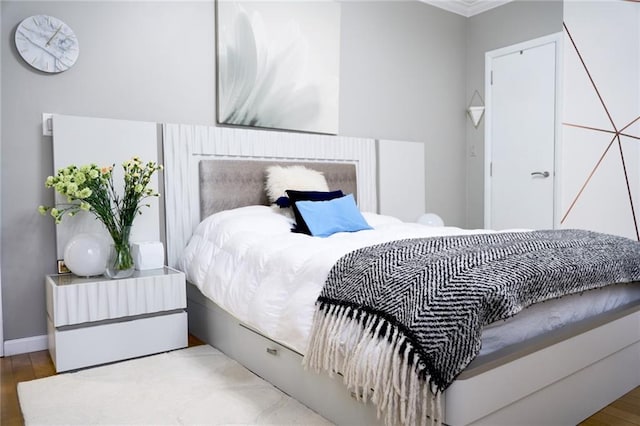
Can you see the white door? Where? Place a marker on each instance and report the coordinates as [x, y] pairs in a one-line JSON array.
[[520, 136]]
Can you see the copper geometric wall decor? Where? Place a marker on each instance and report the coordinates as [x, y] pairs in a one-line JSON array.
[[616, 133]]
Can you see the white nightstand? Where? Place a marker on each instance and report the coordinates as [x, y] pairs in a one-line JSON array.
[[96, 320]]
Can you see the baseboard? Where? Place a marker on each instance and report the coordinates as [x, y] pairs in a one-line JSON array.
[[25, 345]]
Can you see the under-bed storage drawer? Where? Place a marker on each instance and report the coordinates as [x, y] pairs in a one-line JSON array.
[[275, 363]]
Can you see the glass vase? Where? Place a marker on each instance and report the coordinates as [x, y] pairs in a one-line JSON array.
[[120, 263]]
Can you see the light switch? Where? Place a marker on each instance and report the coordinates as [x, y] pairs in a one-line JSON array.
[[47, 124]]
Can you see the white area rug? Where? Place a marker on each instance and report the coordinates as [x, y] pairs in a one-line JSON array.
[[194, 386]]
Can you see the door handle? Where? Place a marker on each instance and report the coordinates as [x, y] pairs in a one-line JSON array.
[[543, 174]]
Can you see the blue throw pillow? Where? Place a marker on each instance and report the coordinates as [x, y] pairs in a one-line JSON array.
[[295, 196], [324, 218]]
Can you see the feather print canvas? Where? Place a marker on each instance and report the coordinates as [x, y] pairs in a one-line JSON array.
[[278, 64]]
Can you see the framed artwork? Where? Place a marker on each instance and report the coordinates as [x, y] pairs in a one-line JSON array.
[[278, 64]]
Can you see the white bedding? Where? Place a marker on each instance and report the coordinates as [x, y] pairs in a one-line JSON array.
[[249, 262]]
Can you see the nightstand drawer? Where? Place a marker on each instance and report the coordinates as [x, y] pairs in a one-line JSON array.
[[77, 347], [74, 300]]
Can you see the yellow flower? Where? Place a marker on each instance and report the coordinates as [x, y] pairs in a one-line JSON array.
[[90, 188], [79, 178], [84, 193], [72, 188]]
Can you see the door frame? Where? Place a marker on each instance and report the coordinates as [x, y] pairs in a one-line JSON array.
[[490, 56]]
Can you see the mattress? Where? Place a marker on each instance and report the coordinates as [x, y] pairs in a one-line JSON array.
[[249, 262]]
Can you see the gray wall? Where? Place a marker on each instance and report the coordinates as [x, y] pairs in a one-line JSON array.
[[402, 77], [512, 23], [139, 61]]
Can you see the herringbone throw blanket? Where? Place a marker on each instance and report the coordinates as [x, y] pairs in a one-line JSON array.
[[412, 311]]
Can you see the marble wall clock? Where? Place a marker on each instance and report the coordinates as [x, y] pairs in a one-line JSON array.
[[47, 44]]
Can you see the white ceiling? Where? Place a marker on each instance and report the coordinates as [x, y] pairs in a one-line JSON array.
[[466, 7]]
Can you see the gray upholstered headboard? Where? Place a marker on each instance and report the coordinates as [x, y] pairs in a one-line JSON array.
[[228, 184], [186, 146]]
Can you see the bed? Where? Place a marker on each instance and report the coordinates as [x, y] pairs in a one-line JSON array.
[[595, 358]]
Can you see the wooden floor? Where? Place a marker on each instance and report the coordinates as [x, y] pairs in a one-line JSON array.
[[623, 412]]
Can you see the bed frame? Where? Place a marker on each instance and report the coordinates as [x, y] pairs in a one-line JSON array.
[[557, 379]]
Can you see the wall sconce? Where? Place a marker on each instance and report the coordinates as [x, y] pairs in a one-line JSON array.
[[476, 110]]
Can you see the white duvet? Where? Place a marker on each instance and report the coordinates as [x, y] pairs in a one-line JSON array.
[[249, 262]]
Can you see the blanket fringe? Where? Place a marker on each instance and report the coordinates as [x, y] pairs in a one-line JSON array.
[[376, 364]]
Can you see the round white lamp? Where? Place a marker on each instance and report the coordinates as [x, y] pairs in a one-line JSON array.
[[430, 219], [86, 255]]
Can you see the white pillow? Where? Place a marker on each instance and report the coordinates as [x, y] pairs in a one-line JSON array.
[[299, 178]]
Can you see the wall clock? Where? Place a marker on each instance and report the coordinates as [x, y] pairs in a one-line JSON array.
[[47, 44]]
